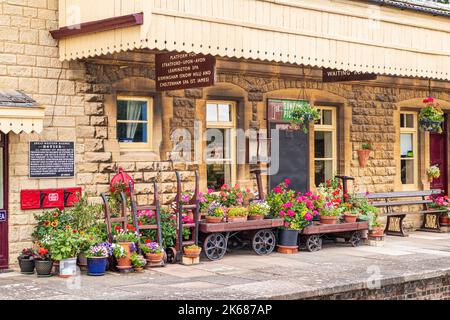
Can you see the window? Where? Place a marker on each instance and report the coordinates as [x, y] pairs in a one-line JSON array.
[[325, 164], [221, 143], [134, 118], [408, 148]]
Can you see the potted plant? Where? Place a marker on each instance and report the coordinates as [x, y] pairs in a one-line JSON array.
[[258, 210], [350, 214], [64, 247], [121, 255], [138, 262], [192, 251], [153, 252], [26, 261], [237, 214], [431, 116], [329, 214], [376, 228], [43, 262], [126, 238], [433, 172], [216, 213], [97, 258], [363, 154], [302, 115], [441, 203]]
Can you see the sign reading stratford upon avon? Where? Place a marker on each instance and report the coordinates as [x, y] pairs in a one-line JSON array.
[[333, 75], [52, 159], [176, 71]]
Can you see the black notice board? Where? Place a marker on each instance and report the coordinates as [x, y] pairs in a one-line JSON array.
[[52, 159], [293, 150]]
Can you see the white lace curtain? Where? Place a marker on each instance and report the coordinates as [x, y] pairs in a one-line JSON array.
[[133, 114]]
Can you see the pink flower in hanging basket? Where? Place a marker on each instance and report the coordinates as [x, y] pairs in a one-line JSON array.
[[428, 100]]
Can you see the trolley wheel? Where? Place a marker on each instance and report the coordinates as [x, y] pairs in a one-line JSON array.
[[263, 242], [314, 243], [171, 255], [355, 239], [215, 246]]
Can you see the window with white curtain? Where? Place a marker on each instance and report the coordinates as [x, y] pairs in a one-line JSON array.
[[134, 119]]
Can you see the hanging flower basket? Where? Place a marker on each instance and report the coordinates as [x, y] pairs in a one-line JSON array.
[[431, 116], [302, 116]]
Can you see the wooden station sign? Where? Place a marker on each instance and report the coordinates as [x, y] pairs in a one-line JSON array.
[[334, 75], [175, 71]]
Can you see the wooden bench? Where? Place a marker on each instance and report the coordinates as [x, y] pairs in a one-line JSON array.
[[389, 200]]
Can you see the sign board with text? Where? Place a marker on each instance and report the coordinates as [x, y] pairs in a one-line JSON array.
[[280, 110], [2, 216], [175, 71], [334, 75], [52, 159]]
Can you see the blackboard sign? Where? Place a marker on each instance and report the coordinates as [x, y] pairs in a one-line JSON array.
[[52, 159], [2, 216]]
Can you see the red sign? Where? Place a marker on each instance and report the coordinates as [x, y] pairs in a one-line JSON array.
[[49, 198], [175, 71]]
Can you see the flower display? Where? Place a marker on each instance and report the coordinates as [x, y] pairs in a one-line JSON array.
[[215, 209], [151, 247], [258, 207], [302, 115], [125, 235], [431, 116], [102, 250], [433, 172], [118, 251]]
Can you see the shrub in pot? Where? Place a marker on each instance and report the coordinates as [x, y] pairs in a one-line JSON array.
[[138, 262], [26, 261], [192, 251], [433, 172], [153, 251], [43, 262], [329, 214], [119, 252], [97, 258], [126, 238], [350, 214], [376, 228], [441, 203], [216, 213], [237, 214], [431, 116], [258, 210], [64, 247]]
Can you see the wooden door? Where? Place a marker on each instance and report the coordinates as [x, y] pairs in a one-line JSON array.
[[3, 202], [438, 156]]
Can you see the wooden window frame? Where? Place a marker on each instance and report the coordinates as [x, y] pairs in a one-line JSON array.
[[327, 128], [138, 146], [415, 134], [231, 125]]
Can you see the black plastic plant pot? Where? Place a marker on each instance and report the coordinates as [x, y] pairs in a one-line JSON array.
[[26, 266], [44, 268], [288, 237]]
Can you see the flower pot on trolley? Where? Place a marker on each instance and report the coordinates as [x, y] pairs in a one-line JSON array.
[[237, 214], [350, 217], [329, 214], [258, 210], [192, 251], [26, 261], [215, 213], [153, 252], [43, 262]]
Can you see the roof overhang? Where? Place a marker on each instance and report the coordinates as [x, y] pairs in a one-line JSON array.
[[338, 34], [19, 113]]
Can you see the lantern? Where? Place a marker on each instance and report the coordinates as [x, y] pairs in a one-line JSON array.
[[121, 182]]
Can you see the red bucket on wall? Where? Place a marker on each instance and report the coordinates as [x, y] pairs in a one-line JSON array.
[[121, 181]]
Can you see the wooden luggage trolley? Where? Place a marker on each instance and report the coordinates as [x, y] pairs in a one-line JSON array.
[[217, 238], [311, 237], [154, 207], [180, 208]]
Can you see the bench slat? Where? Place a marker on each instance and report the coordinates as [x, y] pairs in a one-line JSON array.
[[401, 194], [400, 203]]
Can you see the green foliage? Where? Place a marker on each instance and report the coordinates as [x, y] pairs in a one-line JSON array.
[[63, 244], [137, 261], [366, 146], [84, 214], [118, 251], [434, 172], [304, 114], [237, 212], [51, 220]]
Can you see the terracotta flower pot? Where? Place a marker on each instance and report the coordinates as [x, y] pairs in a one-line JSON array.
[[256, 217], [192, 253], [328, 219], [377, 232], [139, 270], [154, 257], [237, 219], [363, 156], [444, 220], [125, 263], [211, 219], [348, 217]]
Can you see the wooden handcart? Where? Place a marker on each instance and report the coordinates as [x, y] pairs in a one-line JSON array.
[[312, 236], [217, 238]]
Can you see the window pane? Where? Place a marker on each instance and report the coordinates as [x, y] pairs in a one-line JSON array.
[[218, 175], [218, 143], [224, 113], [132, 110], [406, 145], [327, 117], [402, 120], [211, 112], [323, 144], [407, 171], [323, 170], [409, 120], [132, 132]]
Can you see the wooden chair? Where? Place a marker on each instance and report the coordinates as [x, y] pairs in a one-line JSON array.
[[194, 205], [155, 207]]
